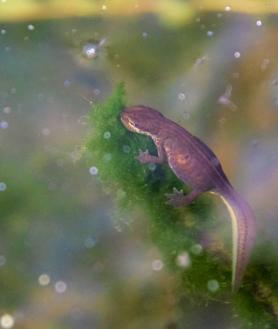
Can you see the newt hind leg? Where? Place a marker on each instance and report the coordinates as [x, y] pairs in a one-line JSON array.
[[178, 199]]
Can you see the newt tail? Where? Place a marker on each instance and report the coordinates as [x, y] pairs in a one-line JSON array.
[[243, 232]]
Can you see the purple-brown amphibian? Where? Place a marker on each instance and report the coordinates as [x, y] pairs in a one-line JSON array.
[[197, 166]]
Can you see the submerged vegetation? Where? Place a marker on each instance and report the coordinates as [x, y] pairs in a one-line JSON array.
[[202, 270]]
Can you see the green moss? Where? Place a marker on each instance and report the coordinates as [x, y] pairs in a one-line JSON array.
[[113, 151]]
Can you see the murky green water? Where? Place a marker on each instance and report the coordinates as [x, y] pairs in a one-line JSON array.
[[67, 260]]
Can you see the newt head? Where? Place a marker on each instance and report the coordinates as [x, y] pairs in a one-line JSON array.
[[142, 119]]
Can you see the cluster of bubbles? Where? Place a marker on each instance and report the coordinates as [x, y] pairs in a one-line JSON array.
[[60, 286]]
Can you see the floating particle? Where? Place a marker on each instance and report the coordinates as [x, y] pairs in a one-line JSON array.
[[3, 186], [145, 34], [107, 157], [3, 31], [228, 8], [237, 54], [265, 63], [104, 7], [4, 125], [152, 166], [219, 15], [213, 285], [44, 279], [7, 321], [196, 249], [46, 131], [60, 287], [183, 259], [93, 171], [126, 148], [7, 110], [83, 120], [210, 33], [107, 135], [181, 96], [157, 265], [31, 27], [96, 92], [225, 98], [2, 260], [90, 242], [259, 22], [67, 83]]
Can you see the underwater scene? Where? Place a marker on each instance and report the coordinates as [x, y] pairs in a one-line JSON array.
[[139, 164]]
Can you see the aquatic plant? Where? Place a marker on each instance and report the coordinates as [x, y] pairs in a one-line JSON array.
[[203, 271]]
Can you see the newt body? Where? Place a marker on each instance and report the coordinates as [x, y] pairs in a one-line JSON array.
[[197, 166]]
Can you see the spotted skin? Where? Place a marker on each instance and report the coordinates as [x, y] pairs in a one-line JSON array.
[[198, 167]]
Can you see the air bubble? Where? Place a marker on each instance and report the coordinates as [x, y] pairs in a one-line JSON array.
[[44, 279], [7, 321], [157, 265], [259, 22], [237, 54], [3, 186], [107, 135], [4, 125], [93, 171], [31, 27], [183, 259], [181, 96], [213, 285], [60, 287]]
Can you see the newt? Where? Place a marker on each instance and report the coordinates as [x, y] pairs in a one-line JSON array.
[[195, 164]]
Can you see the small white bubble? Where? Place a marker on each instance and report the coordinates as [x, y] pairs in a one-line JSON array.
[[181, 96], [3, 186], [7, 321], [213, 285], [183, 259], [228, 8], [210, 33], [60, 287], [44, 279], [259, 22], [157, 265], [93, 171], [145, 34], [107, 135], [2, 260], [90, 50], [3, 31], [90, 242], [31, 27], [196, 249], [104, 7], [46, 131], [4, 125], [237, 54]]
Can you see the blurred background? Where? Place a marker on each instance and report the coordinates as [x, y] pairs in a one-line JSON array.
[[66, 260]]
